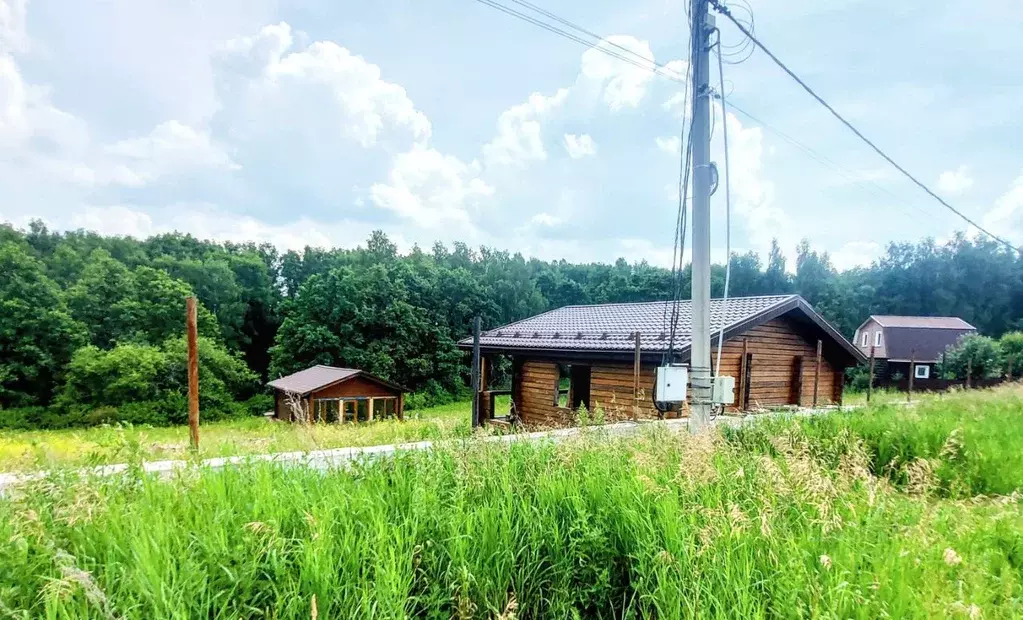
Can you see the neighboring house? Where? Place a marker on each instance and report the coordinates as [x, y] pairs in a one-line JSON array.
[[332, 394], [771, 348], [898, 341]]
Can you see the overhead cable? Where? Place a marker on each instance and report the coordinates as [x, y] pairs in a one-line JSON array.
[[724, 10]]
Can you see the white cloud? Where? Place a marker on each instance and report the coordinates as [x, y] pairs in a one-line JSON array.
[[580, 146], [625, 85], [323, 91], [519, 136], [669, 144], [1007, 213], [171, 148], [955, 181], [13, 36], [431, 189], [545, 219], [207, 221], [114, 220], [855, 254]]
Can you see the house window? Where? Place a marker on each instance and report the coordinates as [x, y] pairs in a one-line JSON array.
[[877, 338], [863, 339], [922, 371]]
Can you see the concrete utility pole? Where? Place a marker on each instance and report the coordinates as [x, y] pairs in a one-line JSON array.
[[700, 379]]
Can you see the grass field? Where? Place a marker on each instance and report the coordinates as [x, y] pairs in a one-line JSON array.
[[885, 512], [30, 450]]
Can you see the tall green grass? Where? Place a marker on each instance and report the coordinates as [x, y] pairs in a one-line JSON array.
[[971, 443], [102, 445], [655, 526]]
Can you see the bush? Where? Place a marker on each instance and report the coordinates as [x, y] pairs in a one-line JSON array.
[[143, 384], [980, 355]]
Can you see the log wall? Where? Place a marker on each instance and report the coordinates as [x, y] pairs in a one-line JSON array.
[[782, 373]]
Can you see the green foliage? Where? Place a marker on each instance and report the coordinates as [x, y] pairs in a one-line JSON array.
[[366, 319], [400, 315], [141, 383], [974, 355], [1011, 345], [37, 334], [792, 523]]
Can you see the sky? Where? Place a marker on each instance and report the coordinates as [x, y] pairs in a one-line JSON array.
[[315, 122]]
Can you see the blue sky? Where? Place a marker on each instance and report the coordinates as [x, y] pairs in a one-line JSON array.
[[315, 122]]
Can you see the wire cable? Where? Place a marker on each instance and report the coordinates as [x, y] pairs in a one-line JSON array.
[[727, 13], [647, 64], [728, 210]]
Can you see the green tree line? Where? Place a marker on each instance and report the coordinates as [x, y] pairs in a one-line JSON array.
[[91, 322]]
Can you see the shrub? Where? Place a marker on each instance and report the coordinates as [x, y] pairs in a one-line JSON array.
[[980, 355], [143, 384]]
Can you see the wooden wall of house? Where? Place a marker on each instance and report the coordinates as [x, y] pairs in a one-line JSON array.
[[356, 386], [782, 373]]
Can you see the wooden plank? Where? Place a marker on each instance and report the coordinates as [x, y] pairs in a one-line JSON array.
[[191, 327], [817, 372]]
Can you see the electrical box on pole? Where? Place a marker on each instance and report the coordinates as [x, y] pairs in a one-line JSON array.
[[671, 384]]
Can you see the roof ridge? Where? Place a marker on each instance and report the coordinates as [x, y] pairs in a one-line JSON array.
[[668, 301]]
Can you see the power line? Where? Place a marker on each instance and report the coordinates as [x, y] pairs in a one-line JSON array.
[[721, 8], [644, 63], [653, 67], [662, 70]]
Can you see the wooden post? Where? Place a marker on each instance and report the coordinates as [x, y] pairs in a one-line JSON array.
[[817, 372], [401, 406], [969, 372], [635, 367], [1008, 370], [476, 372], [371, 401], [912, 376], [870, 375], [742, 376], [485, 398], [191, 326]]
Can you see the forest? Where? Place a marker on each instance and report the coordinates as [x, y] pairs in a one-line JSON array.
[[91, 326]]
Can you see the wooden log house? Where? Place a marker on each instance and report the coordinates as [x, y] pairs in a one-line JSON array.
[[332, 394], [778, 348]]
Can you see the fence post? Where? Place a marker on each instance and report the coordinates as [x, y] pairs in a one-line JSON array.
[[1008, 374], [912, 375], [192, 329], [969, 372], [870, 375]]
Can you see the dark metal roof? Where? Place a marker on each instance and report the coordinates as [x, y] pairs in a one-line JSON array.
[[320, 376], [608, 328], [923, 322], [924, 344]]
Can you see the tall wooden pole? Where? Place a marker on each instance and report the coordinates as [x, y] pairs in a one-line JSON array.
[[476, 372], [870, 375], [969, 372], [635, 367], [191, 325], [1008, 373], [817, 372]]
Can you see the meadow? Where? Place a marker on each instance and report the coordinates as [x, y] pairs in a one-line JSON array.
[[103, 445], [886, 511]]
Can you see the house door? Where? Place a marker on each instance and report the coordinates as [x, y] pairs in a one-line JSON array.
[[580, 386]]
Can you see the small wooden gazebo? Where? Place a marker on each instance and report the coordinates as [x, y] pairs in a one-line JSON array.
[[331, 394]]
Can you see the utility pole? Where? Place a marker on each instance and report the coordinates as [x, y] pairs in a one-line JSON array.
[[699, 361]]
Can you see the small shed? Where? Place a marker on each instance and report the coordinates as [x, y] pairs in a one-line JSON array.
[[779, 349], [332, 394]]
